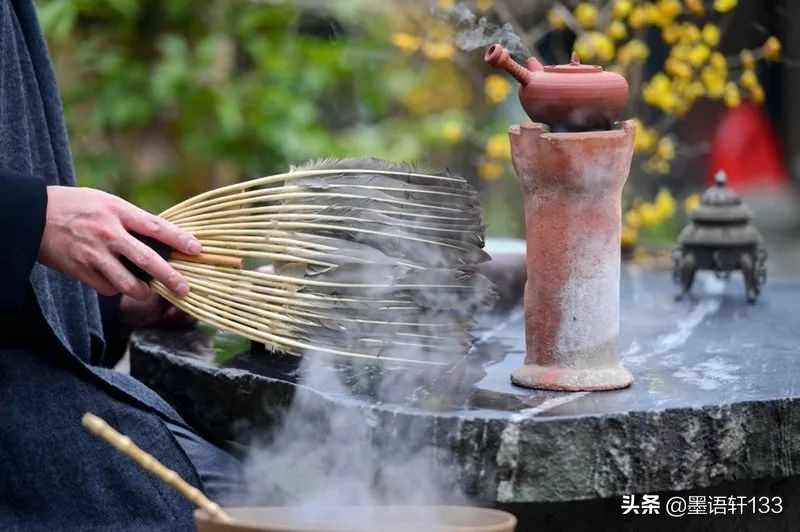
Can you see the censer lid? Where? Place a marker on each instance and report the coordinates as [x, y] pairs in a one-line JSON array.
[[720, 205], [721, 219]]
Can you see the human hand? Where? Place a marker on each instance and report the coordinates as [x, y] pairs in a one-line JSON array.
[[86, 230]]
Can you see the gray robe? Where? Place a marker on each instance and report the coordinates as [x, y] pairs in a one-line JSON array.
[[54, 475]]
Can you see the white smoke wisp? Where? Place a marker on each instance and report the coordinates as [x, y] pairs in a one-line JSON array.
[[354, 434], [479, 32], [329, 454]]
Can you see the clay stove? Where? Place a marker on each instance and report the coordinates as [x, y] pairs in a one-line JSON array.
[[572, 163]]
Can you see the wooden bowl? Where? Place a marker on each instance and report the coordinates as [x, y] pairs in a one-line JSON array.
[[359, 518]]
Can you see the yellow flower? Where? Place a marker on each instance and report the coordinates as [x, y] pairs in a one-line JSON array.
[[659, 92], [622, 8], [604, 47], [586, 15], [658, 166], [406, 42], [555, 20], [444, 5], [490, 171], [498, 146], [714, 81], [699, 54], [638, 17], [438, 50], [483, 5], [595, 45], [636, 50], [496, 88], [690, 34], [678, 106], [732, 98], [681, 52], [772, 49], [757, 94], [697, 88], [628, 236], [632, 219], [677, 68], [671, 33], [749, 78], [665, 204], [723, 6], [691, 202], [666, 149], [696, 7], [653, 15], [616, 30], [711, 34], [747, 58], [657, 89], [645, 138], [669, 9], [649, 214], [453, 131], [719, 62]]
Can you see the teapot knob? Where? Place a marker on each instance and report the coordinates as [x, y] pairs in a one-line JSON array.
[[575, 60]]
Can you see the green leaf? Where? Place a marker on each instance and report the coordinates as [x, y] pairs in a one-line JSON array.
[[57, 18]]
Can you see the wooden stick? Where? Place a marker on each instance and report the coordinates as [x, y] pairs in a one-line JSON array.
[[123, 444]]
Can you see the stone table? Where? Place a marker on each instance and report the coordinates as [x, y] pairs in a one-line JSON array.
[[714, 408]]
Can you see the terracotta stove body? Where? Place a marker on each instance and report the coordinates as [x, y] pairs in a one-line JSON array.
[[572, 182]]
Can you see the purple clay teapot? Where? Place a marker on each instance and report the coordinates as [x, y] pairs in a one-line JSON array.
[[571, 97]]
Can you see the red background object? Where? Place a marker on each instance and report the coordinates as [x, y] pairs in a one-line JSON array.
[[746, 147]]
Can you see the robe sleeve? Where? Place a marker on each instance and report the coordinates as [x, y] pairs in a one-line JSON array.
[[23, 206]]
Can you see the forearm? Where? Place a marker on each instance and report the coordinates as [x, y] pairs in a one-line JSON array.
[[23, 206]]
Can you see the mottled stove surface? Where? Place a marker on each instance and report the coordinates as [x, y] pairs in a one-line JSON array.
[[715, 397]]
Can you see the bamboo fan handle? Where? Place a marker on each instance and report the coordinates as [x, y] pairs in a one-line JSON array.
[[168, 253], [209, 258], [125, 445]]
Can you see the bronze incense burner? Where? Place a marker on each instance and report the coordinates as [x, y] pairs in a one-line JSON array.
[[720, 238]]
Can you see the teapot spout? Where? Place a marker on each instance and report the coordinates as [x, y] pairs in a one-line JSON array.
[[499, 57]]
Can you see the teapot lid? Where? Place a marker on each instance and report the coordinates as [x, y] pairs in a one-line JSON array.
[[574, 67]]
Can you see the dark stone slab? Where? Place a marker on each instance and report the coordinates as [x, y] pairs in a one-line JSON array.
[[715, 399]]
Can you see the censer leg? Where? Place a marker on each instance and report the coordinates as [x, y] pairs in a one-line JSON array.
[[749, 271], [686, 271]]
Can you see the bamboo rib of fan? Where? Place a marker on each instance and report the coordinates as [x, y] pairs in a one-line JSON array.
[[372, 261], [269, 287], [275, 309], [244, 196], [221, 319], [256, 211], [231, 190], [310, 282]]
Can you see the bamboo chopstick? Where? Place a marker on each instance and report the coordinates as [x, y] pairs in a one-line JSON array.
[[125, 445]]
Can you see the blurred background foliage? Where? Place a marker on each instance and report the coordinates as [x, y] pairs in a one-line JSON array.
[[166, 99]]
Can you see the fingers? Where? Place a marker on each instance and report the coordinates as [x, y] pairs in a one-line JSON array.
[[151, 262], [144, 223], [122, 280], [100, 284]]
